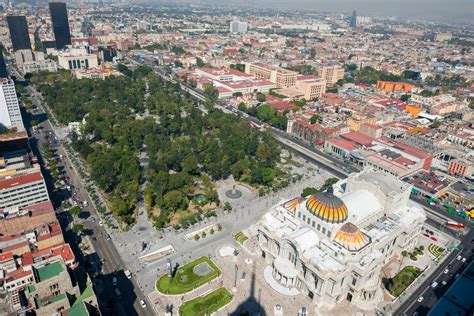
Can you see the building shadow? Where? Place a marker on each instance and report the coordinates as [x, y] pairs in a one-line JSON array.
[[251, 306]]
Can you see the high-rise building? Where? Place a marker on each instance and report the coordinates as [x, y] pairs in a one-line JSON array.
[[3, 66], [60, 22], [238, 27], [10, 115], [332, 73], [353, 22], [19, 32]]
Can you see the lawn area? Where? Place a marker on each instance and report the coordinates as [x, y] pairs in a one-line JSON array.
[[205, 305], [185, 279], [402, 280], [240, 237], [435, 250]]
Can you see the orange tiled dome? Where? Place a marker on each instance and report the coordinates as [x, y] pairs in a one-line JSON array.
[[327, 207], [292, 204], [351, 238]]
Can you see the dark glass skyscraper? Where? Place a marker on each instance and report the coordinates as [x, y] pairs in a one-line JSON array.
[[62, 34], [353, 22], [3, 67], [19, 32]]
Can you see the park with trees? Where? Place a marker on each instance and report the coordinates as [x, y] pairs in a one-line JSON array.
[[143, 137]]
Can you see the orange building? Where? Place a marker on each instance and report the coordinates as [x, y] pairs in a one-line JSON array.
[[390, 86], [460, 167], [413, 109]]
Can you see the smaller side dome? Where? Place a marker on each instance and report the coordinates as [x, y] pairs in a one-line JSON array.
[[351, 238], [291, 205]]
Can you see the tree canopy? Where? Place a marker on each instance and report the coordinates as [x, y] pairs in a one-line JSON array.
[[140, 114]]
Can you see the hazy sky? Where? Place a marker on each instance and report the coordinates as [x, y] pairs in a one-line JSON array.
[[444, 10]]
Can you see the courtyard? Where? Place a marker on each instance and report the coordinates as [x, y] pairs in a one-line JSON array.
[[188, 277]]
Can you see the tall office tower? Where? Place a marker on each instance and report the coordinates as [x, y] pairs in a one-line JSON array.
[[19, 32], [10, 115], [3, 66], [60, 22], [353, 19]]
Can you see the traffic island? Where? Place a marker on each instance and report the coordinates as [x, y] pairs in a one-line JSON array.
[[207, 304], [188, 277]]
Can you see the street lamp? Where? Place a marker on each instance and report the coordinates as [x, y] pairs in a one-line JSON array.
[[236, 272]]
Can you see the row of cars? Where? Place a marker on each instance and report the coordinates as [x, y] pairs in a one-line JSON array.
[[128, 274], [435, 284]]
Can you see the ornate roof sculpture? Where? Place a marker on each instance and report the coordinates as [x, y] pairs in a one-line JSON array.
[[327, 207], [292, 204], [351, 238]]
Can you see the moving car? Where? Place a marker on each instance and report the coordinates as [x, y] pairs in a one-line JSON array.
[[420, 299], [446, 271]]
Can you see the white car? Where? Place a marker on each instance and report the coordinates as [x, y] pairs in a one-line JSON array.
[[142, 303], [446, 271], [459, 258], [463, 260], [420, 299], [100, 223]]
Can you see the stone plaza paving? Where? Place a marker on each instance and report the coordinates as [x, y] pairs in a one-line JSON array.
[[251, 292]]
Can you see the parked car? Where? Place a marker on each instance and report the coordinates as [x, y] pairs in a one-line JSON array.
[[118, 293], [420, 299], [142, 303], [128, 274], [446, 271], [114, 281], [434, 284]]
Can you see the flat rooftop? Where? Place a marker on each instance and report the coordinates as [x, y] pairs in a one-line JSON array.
[[49, 271]]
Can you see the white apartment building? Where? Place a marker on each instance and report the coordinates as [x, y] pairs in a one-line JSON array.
[[40, 65], [77, 58], [10, 115], [21, 181], [23, 190], [238, 27]]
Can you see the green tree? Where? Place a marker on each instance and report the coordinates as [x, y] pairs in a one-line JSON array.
[[75, 211], [309, 191], [77, 228], [227, 206], [405, 97], [124, 69], [427, 93], [200, 62], [174, 200], [261, 97], [314, 119]]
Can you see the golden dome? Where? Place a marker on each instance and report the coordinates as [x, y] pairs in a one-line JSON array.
[[351, 238], [327, 207]]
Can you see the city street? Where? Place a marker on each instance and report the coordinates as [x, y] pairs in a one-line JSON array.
[[430, 295]]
